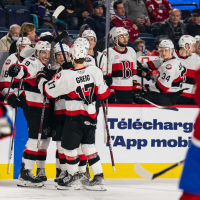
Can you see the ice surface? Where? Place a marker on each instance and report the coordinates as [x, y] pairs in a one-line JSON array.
[[117, 189]]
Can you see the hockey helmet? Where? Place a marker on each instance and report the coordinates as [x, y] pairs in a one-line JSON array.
[[45, 34], [197, 38], [83, 41], [42, 46], [58, 49], [23, 40], [78, 51], [89, 33], [167, 44], [116, 31], [186, 39]]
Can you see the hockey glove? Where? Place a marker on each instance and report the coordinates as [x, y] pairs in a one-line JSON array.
[[67, 65], [13, 70], [13, 101], [137, 90], [145, 87], [108, 80], [112, 98], [41, 74]]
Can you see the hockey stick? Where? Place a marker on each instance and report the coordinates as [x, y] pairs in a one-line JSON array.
[[157, 106], [54, 16], [149, 175], [12, 143], [108, 137]]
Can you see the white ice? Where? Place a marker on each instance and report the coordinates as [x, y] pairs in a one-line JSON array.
[[117, 189]]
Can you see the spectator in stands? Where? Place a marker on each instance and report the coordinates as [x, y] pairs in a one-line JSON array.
[[12, 36], [120, 20], [172, 27], [88, 5], [96, 20], [74, 14], [44, 10], [158, 10], [136, 11], [139, 45], [193, 23], [83, 28], [28, 30]]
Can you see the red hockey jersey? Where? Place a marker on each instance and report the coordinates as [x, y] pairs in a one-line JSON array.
[[127, 24], [158, 10]]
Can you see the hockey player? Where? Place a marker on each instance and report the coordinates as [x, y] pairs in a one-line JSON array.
[[122, 67], [197, 52], [5, 80], [168, 87], [99, 59], [27, 71], [189, 181], [158, 10], [80, 86]]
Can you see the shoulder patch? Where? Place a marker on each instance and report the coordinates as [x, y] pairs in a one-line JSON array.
[[58, 75], [168, 66], [88, 59], [8, 62], [33, 59], [105, 53]]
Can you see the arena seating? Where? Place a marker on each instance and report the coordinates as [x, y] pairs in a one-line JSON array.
[[150, 42], [73, 33], [3, 17], [145, 35], [3, 33], [39, 31]]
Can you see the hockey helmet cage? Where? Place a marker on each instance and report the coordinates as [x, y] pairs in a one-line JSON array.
[[166, 44], [23, 40], [89, 33], [83, 41], [186, 39], [78, 51], [58, 49]]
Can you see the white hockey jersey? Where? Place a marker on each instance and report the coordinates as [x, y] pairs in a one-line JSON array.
[[5, 79], [123, 69], [100, 61], [79, 90], [171, 77], [28, 71]]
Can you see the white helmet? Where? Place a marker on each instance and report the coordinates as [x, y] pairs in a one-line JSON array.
[[45, 34], [167, 44], [58, 49], [197, 37], [186, 39], [116, 31], [78, 51], [83, 41], [89, 33], [23, 40], [42, 46]]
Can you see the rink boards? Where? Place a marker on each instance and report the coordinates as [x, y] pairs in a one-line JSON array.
[[139, 133]]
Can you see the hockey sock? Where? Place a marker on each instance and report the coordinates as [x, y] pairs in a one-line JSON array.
[[93, 158], [189, 196], [83, 161], [72, 161], [61, 156], [57, 160]]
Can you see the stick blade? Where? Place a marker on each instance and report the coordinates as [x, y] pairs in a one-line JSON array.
[[143, 172], [170, 108], [58, 10]]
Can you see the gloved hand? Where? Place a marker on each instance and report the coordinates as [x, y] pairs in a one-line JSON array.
[[145, 88], [13, 101], [112, 98], [137, 93], [67, 65], [137, 90], [108, 80], [41, 74], [13, 70]]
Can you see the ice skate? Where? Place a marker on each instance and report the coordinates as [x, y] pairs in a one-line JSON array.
[[42, 175]]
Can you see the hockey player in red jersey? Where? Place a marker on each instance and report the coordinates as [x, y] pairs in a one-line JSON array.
[[190, 177], [80, 86], [122, 67], [27, 71], [158, 10], [5, 80], [120, 20], [167, 88]]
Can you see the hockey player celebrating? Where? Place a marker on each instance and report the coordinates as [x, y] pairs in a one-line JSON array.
[[122, 67], [27, 71], [5, 80], [189, 182], [80, 86], [99, 59], [168, 87]]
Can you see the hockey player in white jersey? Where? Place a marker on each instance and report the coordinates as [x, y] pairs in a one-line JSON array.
[[5, 80], [168, 87], [197, 52], [123, 68], [99, 59], [27, 71], [80, 86]]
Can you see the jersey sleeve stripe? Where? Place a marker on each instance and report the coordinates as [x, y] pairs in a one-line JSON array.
[[122, 87], [105, 95], [161, 87], [151, 65], [190, 73]]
